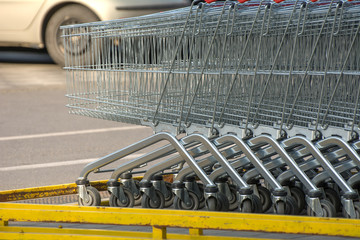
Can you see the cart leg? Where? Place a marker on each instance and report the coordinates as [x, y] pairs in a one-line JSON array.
[[195, 232], [159, 232], [4, 223]]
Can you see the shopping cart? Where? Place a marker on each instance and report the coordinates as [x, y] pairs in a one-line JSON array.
[[258, 102]]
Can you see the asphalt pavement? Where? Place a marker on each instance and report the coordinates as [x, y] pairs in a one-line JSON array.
[[40, 142]]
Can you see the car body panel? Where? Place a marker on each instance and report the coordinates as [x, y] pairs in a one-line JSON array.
[[27, 19], [13, 10]]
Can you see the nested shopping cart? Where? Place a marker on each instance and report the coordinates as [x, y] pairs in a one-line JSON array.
[[257, 103]]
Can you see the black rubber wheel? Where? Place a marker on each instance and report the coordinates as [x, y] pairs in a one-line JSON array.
[[291, 207], [265, 198], [328, 209], [212, 204], [233, 200], [170, 198], [69, 14], [334, 198], [201, 196], [179, 204], [137, 197], [279, 207], [146, 202], [224, 202], [246, 206], [357, 211], [255, 205], [127, 202], [94, 197], [299, 197]]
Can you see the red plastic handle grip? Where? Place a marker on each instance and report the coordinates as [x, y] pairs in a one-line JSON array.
[[210, 1], [243, 1], [278, 1]]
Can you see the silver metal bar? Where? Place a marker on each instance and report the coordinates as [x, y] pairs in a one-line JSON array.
[[187, 171], [236, 164], [306, 166], [219, 78], [214, 152], [324, 163], [343, 145], [209, 161], [143, 144], [240, 61], [205, 62], [340, 76], [189, 67], [255, 71], [308, 65], [161, 166], [287, 159], [146, 158], [326, 68], [172, 64], [321, 177], [275, 58], [253, 159]]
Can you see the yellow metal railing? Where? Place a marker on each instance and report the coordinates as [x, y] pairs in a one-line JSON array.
[[159, 220], [47, 191]]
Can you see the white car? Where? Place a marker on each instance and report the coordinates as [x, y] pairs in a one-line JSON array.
[[35, 23]]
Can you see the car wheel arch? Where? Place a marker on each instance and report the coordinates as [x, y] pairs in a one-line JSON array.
[[53, 10]]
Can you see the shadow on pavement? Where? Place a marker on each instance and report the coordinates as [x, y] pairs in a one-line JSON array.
[[24, 55]]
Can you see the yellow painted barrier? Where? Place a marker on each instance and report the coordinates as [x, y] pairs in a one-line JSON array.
[[89, 234], [161, 219], [46, 191]]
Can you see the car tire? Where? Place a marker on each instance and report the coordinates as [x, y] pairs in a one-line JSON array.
[[70, 14]]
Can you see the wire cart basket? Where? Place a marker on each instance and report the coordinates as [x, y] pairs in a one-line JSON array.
[[258, 102]]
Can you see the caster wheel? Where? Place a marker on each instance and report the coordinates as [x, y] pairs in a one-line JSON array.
[[279, 207], [127, 202], [233, 200], [328, 209], [357, 211], [299, 197], [212, 204], [137, 197], [334, 198], [224, 202], [201, 196], [251, 205], [194, 202], [257, 206], [170, 198], [291, 207], [94, 198], [265, 198], [146, 202], [246, 206], [221, 203]]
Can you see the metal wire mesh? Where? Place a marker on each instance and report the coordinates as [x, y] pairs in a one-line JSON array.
[[259, 63]]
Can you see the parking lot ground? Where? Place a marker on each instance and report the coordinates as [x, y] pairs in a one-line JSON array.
[[40, 142]]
